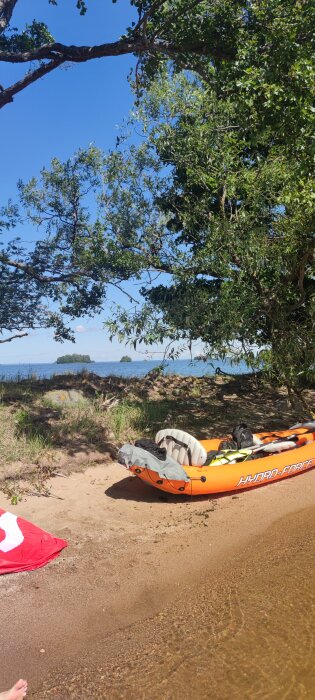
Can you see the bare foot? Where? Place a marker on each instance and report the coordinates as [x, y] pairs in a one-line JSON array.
[[18, 691]]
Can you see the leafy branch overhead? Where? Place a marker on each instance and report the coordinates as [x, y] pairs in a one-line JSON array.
[[78, 255], [195, 34], [153, 35]]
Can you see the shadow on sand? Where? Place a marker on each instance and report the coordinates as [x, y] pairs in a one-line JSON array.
[[133, 489]]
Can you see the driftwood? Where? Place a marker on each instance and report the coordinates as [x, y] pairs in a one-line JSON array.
[[109, 403]]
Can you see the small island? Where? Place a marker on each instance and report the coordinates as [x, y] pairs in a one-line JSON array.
[[66, 359], [126, 358]]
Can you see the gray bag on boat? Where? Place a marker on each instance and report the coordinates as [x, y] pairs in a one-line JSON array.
[[130, 455]]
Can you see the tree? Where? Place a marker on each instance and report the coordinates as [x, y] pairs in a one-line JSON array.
[[238, 207], [23, 292]]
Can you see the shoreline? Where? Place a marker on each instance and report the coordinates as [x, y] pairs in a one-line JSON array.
[[134, 556]]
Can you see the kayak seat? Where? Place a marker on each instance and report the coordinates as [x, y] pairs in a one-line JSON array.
[[182, 446]]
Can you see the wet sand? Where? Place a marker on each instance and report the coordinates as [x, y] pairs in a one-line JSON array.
[[167, 598]]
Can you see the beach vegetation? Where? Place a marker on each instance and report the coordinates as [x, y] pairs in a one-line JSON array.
[[19, 442], [130, 419]]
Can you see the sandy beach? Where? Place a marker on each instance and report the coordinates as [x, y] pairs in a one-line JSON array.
[[158, 597]]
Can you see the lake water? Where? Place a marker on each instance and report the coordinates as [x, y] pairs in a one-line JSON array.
[[135, 368]]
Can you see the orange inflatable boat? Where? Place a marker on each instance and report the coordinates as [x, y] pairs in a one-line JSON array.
[[272, 457]]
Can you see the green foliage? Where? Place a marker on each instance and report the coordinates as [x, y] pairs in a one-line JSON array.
[[75, 357], [262, 49], [156, 372], [32, 37], [126, 358], [89, 211], [66, 272]]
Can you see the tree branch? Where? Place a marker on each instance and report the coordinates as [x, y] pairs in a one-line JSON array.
[[32, 272], [130, 297], [80, 54], [8, 340], [299, 274], [157, 4], [7, 95]]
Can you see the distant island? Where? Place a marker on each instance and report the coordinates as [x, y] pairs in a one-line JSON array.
[[126, 358], [65, 359]]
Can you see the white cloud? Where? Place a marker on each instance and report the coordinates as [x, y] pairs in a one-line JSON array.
[[80, 329]]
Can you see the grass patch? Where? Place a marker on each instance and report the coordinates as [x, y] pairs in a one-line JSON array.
[[195, 392], [123, 419], [15, 445], [85, 419], [130, 419]]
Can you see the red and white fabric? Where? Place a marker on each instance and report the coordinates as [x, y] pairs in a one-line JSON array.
[[24, 546]]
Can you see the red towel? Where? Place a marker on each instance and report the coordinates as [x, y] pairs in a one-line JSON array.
[[24, 546]]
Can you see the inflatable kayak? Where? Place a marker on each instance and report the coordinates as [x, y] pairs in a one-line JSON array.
[[191, 467]]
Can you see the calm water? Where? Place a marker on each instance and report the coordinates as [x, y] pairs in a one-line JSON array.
[[124, 369]]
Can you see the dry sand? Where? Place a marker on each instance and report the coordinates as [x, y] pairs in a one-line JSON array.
[[161, 597]]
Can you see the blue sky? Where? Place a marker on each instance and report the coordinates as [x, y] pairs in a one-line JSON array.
[[68, 109]]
